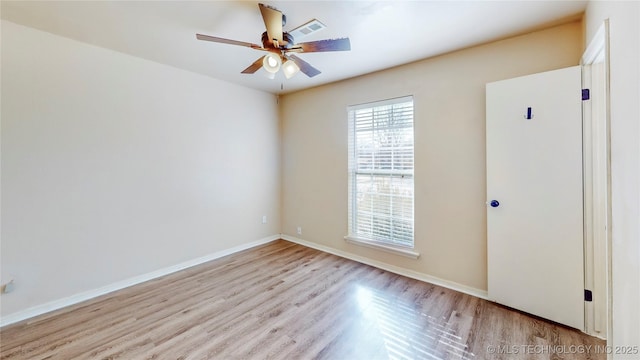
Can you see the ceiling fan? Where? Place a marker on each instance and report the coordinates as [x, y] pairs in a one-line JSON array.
[[281, 46]]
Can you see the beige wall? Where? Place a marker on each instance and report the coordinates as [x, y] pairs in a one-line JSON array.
[[449, 95], [114, 166], [624, 52]]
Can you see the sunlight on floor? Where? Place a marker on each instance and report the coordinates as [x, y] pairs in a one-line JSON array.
[[409, 333]]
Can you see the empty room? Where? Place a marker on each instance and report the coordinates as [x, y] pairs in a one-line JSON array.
[[320, 180]]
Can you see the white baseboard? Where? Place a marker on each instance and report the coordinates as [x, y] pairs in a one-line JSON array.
[[87, 295], [391, 268]]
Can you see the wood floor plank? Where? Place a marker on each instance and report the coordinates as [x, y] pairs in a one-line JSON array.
[[286, 301]]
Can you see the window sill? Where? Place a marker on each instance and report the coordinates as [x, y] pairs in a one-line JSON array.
[[386, 248]]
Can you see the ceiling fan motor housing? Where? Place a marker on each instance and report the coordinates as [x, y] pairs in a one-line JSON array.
[[287, 43]]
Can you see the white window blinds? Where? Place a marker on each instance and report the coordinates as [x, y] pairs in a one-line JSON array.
[[381, 172]]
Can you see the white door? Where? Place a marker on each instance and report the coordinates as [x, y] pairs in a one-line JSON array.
[[534, 172]]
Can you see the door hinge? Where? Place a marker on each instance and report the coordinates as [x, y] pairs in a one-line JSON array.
[[585, 94], [588, 295]]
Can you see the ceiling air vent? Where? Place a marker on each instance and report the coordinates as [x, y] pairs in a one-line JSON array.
[[311, 27]]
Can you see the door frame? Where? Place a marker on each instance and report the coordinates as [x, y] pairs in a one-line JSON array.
[[597, 184]]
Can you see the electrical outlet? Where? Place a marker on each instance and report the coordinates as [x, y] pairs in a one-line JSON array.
[[264, 219], [299, 230]]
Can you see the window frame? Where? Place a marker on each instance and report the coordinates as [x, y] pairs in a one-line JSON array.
[[353, 237]]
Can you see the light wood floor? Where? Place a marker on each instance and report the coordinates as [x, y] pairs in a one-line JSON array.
[[286, 301]]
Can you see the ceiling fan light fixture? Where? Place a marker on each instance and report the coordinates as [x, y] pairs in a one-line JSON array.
[[271, 63], [290, 68]]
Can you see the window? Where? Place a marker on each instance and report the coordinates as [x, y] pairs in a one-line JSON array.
[[381, 173]]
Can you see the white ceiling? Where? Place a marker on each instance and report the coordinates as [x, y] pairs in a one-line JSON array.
[[383, 33]]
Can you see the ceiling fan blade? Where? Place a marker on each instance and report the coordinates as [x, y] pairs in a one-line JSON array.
[[254, 67], [227, 41], [272, 21], [304, 66], [342, 44]]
